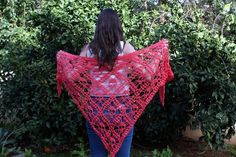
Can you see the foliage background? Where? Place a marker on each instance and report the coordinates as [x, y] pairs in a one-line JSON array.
[[202, 45]]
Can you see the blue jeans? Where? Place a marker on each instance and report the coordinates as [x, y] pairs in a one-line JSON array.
[[97, 149]]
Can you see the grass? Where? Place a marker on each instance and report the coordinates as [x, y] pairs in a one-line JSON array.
[[231, 149], [66, 154], [134, 153]]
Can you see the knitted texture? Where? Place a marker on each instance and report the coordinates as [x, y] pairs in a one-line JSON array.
[[110, 112]]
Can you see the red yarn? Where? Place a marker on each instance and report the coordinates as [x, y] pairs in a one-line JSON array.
[[110, 113]]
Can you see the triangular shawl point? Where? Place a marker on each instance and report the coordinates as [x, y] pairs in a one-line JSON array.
[[112, 101]]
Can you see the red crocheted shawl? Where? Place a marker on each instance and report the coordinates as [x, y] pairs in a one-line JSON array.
[[112, 101]]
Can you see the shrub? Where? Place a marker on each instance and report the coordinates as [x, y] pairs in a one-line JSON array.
[[27, 63], [203, 93]]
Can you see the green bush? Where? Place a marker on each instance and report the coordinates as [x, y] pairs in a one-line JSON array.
[[164, 153], [27, 63], [202, 93]]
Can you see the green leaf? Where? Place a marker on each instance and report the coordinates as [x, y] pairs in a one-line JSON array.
[[227, 7]]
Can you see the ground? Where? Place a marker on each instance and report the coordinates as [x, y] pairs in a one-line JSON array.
[[184, 147]]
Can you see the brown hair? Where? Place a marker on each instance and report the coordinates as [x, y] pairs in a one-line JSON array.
[[108, 34]]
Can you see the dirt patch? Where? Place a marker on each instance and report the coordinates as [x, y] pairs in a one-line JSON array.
[[183, 147], [186, 147]]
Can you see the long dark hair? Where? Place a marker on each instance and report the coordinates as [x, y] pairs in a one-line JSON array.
[[106, 42]]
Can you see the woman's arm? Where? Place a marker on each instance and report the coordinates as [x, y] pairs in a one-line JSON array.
[[84, 50], [128, 48]]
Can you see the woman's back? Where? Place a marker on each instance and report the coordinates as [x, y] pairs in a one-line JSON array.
[[116, 83], [126, 48]]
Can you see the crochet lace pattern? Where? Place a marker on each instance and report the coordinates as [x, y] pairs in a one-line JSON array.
[[112, 115]]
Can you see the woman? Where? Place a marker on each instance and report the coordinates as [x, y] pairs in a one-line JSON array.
[[112, 89], [107, 44]]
